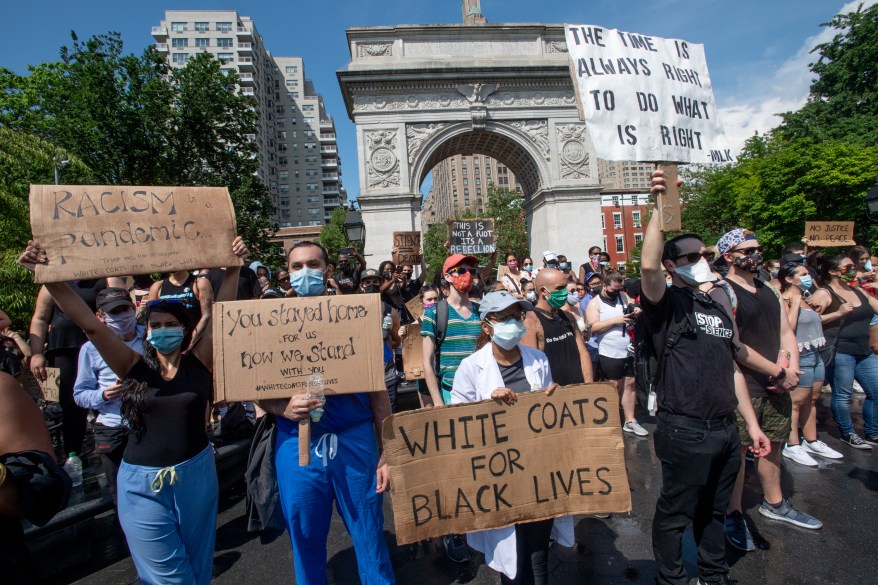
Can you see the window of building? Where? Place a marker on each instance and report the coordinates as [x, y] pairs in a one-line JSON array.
[[605, 243], [308, 108], [466, 202], [284, 189], [283, 175], [314, 198], [478, 192], [293, 120], [224, 26], [280, 110], [285, 200], [466, 181], [225, 42], [180, 43], [309, 121], [617, 220], [635, 218], [478, 180], [202, 26], [463, 171], [292, 69], [282, 135], [616, 200], [310, 145], [310, 159], [179, 26], [312, 186], [225, 57], [466, 192], [308, 134], [638, 239], [476, 161], [293, 95], [313, 211], [311, 172], [488, 171], [285, 213], [202, 43], [282, 160], [291, 83], [603, 222], [282, 147], [620, 244], [179, 57], [315, 222]]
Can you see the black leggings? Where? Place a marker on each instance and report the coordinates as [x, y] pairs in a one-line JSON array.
[[74, 416], [532, 550]]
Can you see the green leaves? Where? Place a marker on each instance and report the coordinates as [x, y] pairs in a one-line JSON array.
[[332, 236]]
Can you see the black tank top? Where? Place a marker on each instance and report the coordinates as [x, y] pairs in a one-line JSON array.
[[758, 318], [64, 333], [852, 331], [185, 294], [561, 349], [174, 413]]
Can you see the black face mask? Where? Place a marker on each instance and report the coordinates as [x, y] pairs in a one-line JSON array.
[[388, 275], [371, 289], [594, 291], [346, 268], [611, 294]]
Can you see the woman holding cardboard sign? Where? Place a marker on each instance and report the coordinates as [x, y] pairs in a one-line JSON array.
[[167, 483], [499, 371]]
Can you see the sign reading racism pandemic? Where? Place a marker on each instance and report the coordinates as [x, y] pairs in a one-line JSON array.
[[471, 236], [92, 231], [407, 248], [645, 98], [269, 348], [47, 390], [478, 466], [829, 233], [413, 352]]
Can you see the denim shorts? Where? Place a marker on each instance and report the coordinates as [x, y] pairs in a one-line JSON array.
[[813, 370]]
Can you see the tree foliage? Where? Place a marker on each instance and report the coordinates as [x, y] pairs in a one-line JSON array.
[[506, 207], [333, 236]]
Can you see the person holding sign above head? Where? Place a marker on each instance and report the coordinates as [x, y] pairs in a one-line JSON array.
[[698, 387], [167, 483], [345, 466], [499, 370]]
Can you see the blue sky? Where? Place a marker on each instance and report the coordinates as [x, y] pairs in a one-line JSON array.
[[757, 51]]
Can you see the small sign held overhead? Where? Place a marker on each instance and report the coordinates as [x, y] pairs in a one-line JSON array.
[[819, 234], [471, 236]]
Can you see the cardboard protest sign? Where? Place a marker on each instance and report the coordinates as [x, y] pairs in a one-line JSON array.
[[415, 308], [48, 390], [477, 466], [645, 98], [413, 352], [92, 231], [471, 236], [268, 348], [829, 233], [407, 246]]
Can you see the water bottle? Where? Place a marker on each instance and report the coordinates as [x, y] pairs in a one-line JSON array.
[[387, 323], [73, 467], [315, 392]]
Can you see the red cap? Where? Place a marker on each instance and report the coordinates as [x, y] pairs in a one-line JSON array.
[[456, 259]]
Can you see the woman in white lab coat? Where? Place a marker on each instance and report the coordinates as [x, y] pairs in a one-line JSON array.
[[498, 371]]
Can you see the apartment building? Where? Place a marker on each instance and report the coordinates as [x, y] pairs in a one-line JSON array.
[[625, 175], [460, 184], [623, 221], [295, 138]]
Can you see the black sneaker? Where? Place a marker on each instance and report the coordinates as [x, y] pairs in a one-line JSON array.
[[456, 548], [737, 532], [871, 439], [856, 442]]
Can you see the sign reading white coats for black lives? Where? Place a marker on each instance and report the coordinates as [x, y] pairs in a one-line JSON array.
[[267, 349], [645, 98]]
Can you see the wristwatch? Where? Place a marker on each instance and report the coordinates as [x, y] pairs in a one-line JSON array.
[[781, 376]]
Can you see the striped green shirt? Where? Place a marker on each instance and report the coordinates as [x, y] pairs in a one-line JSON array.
[[460, 342]]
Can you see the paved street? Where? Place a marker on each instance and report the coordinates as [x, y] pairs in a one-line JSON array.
[[615, 550]]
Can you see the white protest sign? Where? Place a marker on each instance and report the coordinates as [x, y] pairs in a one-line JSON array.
[[645, 98]]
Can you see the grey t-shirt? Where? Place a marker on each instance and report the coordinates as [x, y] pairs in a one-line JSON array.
[[514, 378]]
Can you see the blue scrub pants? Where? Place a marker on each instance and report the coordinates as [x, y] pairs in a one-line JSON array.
[[344, 474], [171, 531]]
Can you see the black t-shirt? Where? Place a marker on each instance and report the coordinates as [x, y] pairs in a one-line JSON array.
[[758, 319], [513, 376], [698, 376], [63, 332], [560, 347], [174, 412], [10, 362], [248, 283]]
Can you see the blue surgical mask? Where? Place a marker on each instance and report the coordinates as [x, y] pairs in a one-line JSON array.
[[307, 282], [868, 266], [806, 282], [552, 265], [565, 266], [529, 267], [573, 298], [166, 339], [604, 263], [508, 333]]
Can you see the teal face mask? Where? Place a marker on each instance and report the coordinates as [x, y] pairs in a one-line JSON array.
[[166, 339], [557, 299]]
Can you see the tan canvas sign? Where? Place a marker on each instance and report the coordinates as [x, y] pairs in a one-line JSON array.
[[268, 348], [829, 233], [471, 236], [48, 390], [407, 246], [413, 352], [92, 231], [477, 466], [415, 307]]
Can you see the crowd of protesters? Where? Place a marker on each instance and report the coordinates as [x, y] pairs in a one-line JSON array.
[[755, 342]]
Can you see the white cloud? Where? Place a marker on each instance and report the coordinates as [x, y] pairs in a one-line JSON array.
[[786, 90]]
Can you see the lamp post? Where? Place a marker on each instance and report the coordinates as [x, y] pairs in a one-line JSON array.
[[354, 228], [60, 162]]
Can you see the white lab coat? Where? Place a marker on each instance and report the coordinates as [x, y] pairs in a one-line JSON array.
[[475, 379]]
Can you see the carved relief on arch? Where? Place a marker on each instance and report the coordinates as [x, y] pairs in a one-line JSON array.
[[367, 50], [417, 135], [573, 153], [538, 132], [382, 163]]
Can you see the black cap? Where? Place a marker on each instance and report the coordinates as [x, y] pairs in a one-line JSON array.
[[110, 298], [369, 273]]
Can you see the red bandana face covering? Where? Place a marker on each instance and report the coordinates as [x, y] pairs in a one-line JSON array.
[[463, 283]]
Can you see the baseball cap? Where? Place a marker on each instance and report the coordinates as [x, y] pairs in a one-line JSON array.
[[550, 256], [456, 259], [111, 297], [369, 273], [494, 302]]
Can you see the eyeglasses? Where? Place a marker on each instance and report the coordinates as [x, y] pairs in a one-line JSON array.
[[748, 251], [693, 257], [461, 270], [506, 318]]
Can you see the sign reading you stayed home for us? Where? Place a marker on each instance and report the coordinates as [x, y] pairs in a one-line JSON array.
[[645, 98]]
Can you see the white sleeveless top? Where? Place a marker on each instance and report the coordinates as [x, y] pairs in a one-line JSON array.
[[613, 342]]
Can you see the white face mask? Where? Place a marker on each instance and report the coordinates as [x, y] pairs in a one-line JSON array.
[[508, 333], [697, 273]]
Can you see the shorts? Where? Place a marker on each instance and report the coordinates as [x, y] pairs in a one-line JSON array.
[[774, 414], [617, 368], [813, 370]]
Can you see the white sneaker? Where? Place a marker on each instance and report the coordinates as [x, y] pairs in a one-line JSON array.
[[797, 454], [822, 449], [632, 426]]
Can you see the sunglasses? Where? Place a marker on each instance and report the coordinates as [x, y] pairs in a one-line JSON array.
[[693, 257], [506, 318], [461, 270], [748, 251], [160, 302]]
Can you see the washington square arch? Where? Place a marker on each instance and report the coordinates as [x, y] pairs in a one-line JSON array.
[[419, 94]]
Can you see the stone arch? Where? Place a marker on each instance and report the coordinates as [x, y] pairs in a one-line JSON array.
[[502, 141]]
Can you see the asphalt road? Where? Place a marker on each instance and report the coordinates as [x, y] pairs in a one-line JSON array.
[[615, 550]]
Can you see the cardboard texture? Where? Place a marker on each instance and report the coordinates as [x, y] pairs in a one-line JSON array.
[[478, 466], [92, 231], [415, 308], [267, 349], [668, 203], [413, 352], [471, 236], [820, 234], [48, 390], [408, 248]]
